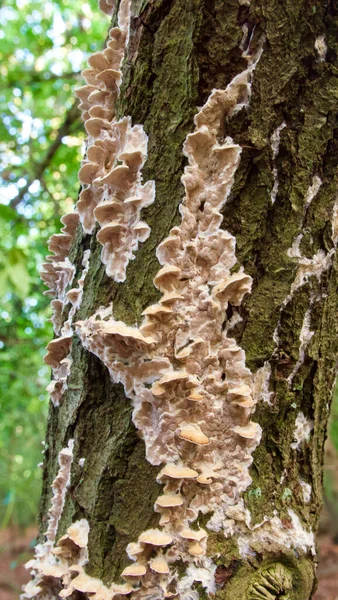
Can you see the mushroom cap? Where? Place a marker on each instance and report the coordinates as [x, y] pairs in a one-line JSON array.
[[173, 377], [89, 75], [170, 297], [96, 152], [203, 478], [134, 570], [249, 431], [110, 231], [97, 96], [167, 247], [106, 7], [57, 350], [121, 330], [112, 55], [98, 61], [108, 210], [195, 549], [115, 33], [169, 500], [119, 177], [142, 230], [132, 157], [157, 310], [233, 288], [165, 277], [70, 221], [101, 112], [83, 92], [78, 533], [193, 433], [244, 402], [165, 518], [157, 389], [191, 534], [88, 172], [110, 77], [133, 549], [56, 571], [85, 204], [241, 390], [123, 589], [134, 200], [209, 472], [195, 395], [159, 565], [177, 472], [155, 537], [59, 243], [57, 305], [95, 125]]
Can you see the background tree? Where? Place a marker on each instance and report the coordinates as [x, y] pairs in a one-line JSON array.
[[281, 209]]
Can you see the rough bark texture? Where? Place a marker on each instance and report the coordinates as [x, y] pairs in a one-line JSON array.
[[180, 50]]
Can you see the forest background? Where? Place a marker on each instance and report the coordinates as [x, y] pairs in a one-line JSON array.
[[43, 47]]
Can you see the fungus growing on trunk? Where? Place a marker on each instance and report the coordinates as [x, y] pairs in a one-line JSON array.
[[187, 417]]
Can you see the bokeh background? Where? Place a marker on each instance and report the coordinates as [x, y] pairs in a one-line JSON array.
[[43, 47]]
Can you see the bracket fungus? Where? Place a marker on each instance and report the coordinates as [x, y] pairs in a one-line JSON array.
[[111, 174]]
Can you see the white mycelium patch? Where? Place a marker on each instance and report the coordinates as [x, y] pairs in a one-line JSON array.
[[307, 491], [303, 428], [305, 338], [306, 267], [319, 263], [274, 531], [321, 48], [111, 173], [261, 384], [312, 191], [275, 141], [335, 223]]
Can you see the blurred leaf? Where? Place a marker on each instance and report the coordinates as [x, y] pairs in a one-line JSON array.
[[20, 278]]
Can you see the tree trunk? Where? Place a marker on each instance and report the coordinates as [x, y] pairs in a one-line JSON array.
[[221, 392]]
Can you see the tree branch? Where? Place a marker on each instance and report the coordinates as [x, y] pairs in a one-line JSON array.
[[33, 77], [72, 115]]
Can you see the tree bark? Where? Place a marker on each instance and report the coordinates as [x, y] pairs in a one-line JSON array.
[[282, 212]]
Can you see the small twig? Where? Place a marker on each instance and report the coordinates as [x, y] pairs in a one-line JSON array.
[[71, 117]]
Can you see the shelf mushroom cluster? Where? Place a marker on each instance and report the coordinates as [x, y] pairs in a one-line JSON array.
[[192, 393], [58, 349], [44, 559], [111, 173], [58, 273]]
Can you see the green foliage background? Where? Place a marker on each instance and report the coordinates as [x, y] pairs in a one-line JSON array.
[[43, 47]]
